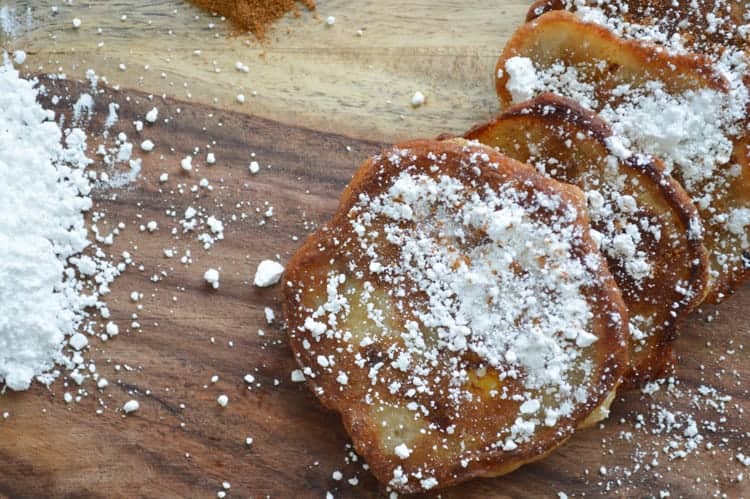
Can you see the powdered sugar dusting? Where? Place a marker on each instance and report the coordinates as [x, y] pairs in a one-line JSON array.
[[680, 26], [525, 81], [687, 131], [486, 286], [693, 132], [696, 132], [624, 230], [46, 285], [475, 300]]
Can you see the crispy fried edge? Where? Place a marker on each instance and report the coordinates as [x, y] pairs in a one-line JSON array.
[[612, 347], [560, 109], [725, 287], [541, 7], [655, 59], [699, 67]]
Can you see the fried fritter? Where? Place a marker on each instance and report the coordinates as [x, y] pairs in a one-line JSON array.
[[676, 107], [640, 215], [457, 314]]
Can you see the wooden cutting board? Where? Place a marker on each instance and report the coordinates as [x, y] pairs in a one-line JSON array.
[[326, 78], [181, 443]]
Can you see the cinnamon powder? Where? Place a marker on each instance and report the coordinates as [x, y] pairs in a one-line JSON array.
[[253, 15]]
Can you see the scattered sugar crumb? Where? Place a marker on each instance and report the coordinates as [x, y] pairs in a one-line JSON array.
[[211, 276], [131, 406], [268, 273]]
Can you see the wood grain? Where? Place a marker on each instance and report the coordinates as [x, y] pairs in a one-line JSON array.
[[56, 450], [325, 78]]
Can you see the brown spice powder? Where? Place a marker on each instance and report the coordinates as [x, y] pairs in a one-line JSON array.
[[253, 15]]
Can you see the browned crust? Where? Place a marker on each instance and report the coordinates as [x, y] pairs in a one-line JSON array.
[[678, 73], [730, 282], [690, 21], [605, 299], [556, 109], [540, 7], [671, 69]]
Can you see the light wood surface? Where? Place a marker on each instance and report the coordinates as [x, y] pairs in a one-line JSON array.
[[330, 111], [306, 73]]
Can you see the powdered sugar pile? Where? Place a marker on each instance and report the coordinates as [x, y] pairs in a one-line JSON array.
[[686, 131], [46, 283], [525, 81]]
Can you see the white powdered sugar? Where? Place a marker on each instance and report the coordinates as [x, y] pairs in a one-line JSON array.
[[268, 273], [522, 78], [46, 284], [475, 300], [471, 265], [454, 290], [14, 21], [690, 131], [620, 227], [525, 81], [686, 131], [697, 30], [649, 33], [621, 238], [693, 132], [737, 222]]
